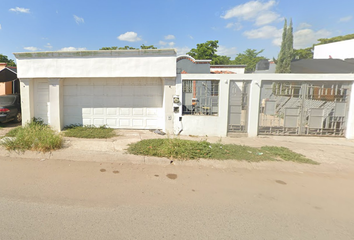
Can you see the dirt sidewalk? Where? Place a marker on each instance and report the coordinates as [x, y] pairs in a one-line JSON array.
[[335, 155]]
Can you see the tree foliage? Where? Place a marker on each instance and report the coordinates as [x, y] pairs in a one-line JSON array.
[[208, 51], [304, 53], [5, 59], [286, 50], [128, 47], [205, 50], [148, 47], [334, 39], [249, 58]]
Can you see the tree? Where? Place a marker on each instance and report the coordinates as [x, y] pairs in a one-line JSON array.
[[286, 50], [128, 48], [249, 58], [148, 47], [10, 62], [304, 53], [208, 51]]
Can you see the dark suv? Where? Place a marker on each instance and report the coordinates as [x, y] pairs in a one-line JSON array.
[[10, 108]]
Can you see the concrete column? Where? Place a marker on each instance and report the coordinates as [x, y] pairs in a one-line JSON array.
[[254, 106], [350, 121], [55, 104], [169, 92], [26, 92]]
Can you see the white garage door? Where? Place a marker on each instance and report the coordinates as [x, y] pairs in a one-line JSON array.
[[117, 103]]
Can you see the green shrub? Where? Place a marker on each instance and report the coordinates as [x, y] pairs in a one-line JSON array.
[[34, 136]]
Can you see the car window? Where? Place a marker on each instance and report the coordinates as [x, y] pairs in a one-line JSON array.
[[6, 100]]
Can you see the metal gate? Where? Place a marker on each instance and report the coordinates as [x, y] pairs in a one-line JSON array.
[[238, 106], [304, 108]]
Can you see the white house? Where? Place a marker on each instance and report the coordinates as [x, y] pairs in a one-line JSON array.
[[152, 89], [120, 89], [336, 50]]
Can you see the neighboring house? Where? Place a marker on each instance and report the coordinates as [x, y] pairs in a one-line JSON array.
[[336, 50], [265, 66], [227, 69], [152, 89], [322, 66], [9, 83]]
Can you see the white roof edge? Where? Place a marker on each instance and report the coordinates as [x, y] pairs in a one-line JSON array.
[[97, 53], [193, 58]]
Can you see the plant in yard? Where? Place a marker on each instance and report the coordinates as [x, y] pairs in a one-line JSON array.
[[88, 131], [175, 148], [34, 136]]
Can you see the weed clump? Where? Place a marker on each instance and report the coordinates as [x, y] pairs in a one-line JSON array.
[[35, 136], [175, 148], [88, 131]]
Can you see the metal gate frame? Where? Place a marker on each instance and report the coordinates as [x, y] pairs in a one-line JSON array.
[[303, 108], [239, 91]]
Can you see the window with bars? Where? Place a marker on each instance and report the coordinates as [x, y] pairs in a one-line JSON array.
[[200, 97]]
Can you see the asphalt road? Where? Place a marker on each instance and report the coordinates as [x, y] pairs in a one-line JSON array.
[[90, 200]]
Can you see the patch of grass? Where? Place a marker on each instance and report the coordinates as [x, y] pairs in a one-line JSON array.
[[13, 132], [175, 148], [79, 131], [34, 136], [287, 155]]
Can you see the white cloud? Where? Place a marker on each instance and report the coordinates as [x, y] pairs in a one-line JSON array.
[[182, 50], [170, 44], [254, 11], [79, 20], [345, 19], [235, 26], [191, 37], [266, 18], [303, 26], [307, 37], [49, 46], [265, 32], [33, 49], [129, 36], [169, 37], [72, 49], [224, 51], [20, 10]]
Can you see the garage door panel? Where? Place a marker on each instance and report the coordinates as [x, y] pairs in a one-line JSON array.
[[138, 123], [112, 111], [138, 112], [124, 111], [99, 111], [117, 103], [124, 122], [112, 122]]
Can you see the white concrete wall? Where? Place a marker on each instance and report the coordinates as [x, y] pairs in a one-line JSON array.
[[337, 50], [85, 64], [217, 125], [207, 125]]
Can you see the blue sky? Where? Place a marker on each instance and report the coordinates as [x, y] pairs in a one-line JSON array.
[[42, 25]]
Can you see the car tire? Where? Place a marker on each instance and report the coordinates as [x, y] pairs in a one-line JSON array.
[[18, 117]]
